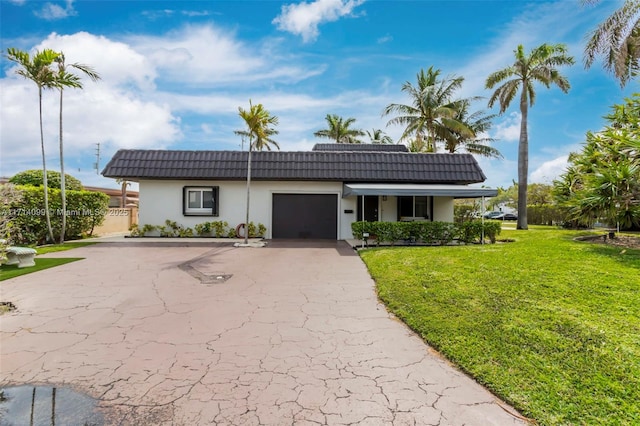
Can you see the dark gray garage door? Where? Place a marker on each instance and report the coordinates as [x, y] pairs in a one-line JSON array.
[[305, 216]]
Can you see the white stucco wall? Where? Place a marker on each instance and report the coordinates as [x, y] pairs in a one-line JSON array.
[[443, 209], [161, 200]]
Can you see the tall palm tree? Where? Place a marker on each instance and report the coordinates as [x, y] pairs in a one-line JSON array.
[[259, 130], [479, 123], [617, 41], [339, 130], [378, 136], [541, 66], [64, 79], [431, 116], [38, 69]]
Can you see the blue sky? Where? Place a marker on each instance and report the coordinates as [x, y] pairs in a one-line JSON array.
[[175, 73]]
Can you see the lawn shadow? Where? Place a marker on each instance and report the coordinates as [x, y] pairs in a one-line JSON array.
[[626, 256]]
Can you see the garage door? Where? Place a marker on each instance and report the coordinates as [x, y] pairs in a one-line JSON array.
[[305, 216]]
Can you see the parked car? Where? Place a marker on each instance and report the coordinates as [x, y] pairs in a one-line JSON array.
[[492, 215], [505, 216]]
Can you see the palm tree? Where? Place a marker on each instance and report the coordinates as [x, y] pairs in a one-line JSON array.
[[379, 137], [339, 130], [259, 131], [617, 40], [123, 191], [540, 65], [417, 145], [66, 79], [479, 123], [431, 116], [38, 70]]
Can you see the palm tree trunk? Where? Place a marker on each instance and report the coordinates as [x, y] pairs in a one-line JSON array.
[[123, 193], [523, 161], [246, 222], [63, 193], [44, 171]]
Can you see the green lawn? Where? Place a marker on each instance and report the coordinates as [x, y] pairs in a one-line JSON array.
[[12, 271], [549, 324]]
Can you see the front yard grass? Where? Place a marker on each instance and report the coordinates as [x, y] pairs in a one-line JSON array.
[[12, 271], [549, 324]]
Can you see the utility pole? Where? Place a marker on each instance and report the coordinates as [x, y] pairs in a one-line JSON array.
[[96, 165]]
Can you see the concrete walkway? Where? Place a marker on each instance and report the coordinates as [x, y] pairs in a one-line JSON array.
[[199, 334]]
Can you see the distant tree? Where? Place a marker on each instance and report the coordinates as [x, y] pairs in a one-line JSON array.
[[417, 145], [479, 123], [617, 41], [259, 129], [431, 115], [541, 66], [339, 130], [38, 69], [378, 136], [63, 79], [506, 196], [540, 194]]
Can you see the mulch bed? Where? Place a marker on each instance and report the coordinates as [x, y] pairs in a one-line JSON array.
[[624, 241]]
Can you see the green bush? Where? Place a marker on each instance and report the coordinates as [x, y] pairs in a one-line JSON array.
[[173, 229], [34, 178], [215, 229], [85, 210], [545, 214], [433, 233]]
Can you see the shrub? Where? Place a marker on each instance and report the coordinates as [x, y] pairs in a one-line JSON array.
[[34, 178], [173, 229], [545, 214], [85, 210], [256, 230], [436, 233], [9, 231], [212, 229]]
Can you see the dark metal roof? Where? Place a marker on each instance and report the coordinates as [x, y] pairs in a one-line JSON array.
[[305, 165], [359, 147]]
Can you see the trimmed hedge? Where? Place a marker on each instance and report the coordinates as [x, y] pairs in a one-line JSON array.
[[432, 233], [85, 210]]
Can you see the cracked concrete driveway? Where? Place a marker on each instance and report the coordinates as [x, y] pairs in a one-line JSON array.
[[193, 334]]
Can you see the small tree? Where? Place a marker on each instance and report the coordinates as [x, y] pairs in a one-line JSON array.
[[603, 180], [38, 70], [63, 79], [259, 130]]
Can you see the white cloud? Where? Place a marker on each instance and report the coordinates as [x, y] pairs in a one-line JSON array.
[[304, 18], [385, 39], [550, 170], [507, 130], [117, 63], [499, 172], [52, 11], [119, 111], [206, 55]]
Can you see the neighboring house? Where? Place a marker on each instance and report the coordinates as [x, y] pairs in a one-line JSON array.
[[115, 196], [309, 194]]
